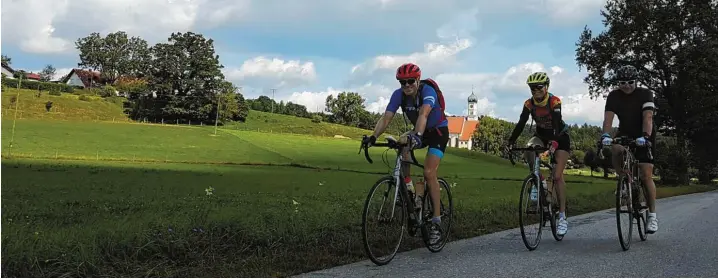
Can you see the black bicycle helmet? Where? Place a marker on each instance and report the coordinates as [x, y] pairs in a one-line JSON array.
[[627, 72]]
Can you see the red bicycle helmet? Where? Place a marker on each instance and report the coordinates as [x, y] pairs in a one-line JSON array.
[[408, 70]]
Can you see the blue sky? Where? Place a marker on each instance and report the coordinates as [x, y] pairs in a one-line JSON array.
[[312, 48]]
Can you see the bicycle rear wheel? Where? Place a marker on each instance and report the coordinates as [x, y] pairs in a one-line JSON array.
[[534, 213], [389, 215], [624, 212], [447, 214]]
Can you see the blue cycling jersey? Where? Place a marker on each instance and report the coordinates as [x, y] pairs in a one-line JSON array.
[[411, 106]]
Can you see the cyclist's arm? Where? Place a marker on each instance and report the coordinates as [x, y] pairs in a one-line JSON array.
[[391, 109], [608, 114], [648, 108], [556, 118], [427, 103], [520, 125]]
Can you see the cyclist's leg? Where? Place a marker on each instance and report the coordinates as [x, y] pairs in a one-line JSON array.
[[436, 140], [530, 156], [645, 163], [561, 156]]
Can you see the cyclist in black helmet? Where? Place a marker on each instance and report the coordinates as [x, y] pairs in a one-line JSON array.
[[634, 107]]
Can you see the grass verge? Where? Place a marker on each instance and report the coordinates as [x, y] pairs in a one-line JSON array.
[[110, 219]]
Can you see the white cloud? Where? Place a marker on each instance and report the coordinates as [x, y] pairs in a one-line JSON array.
[[567, 12], [275, 73], [432, 60], [376, 97], [35, 25]]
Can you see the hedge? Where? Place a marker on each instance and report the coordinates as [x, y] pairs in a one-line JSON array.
[[43, 86]]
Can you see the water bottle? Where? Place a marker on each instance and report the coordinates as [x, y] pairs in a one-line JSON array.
[[534, 193]]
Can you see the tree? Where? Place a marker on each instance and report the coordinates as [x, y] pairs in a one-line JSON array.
[[492, 134], [653, 36], [47, 73], [6, 60], [114, 55], [347, 108], [231, 103], [186, 75]]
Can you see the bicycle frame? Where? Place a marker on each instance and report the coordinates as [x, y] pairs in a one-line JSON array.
[[397, 174]]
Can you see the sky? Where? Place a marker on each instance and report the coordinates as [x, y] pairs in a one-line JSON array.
[[309, 49]]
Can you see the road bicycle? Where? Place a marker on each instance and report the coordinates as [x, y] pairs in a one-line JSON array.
[[403, 201], [630, 179], [538, 204]]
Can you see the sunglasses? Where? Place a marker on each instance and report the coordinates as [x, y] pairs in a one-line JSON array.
[[407, 81], [536, 86], [624, 82]]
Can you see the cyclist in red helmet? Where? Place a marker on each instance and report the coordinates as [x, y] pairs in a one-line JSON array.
[[420, 103]]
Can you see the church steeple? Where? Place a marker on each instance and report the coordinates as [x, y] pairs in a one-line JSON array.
[[473, 108]]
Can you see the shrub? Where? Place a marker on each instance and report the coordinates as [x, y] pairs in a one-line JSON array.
[[317, 118], [35, 85]]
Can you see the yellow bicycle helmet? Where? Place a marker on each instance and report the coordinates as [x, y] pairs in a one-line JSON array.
[[538, 77]]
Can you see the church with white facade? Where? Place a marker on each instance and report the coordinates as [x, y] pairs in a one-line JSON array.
[[461, 128]]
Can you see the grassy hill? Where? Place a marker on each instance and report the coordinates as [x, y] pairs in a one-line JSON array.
[[70, 107], [65, 107], [260, 121]]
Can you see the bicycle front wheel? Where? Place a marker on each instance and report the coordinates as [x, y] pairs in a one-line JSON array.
[[624, 212], [531, 213], [380, 227], [642, 212]]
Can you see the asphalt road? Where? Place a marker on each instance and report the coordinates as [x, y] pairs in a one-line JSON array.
[[686, 245]]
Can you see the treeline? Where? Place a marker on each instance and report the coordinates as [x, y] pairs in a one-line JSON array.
[[179, 80], [674, 45], [347, 108]]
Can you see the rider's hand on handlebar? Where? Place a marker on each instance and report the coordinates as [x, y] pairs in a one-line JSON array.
[[553, 146], [368, 141], [415, 140], [606, 139]]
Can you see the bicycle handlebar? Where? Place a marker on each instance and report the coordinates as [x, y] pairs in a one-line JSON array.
[[624, 141], [391, 143]]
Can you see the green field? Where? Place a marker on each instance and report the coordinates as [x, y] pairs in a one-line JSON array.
[[109, 197], [119, 199]]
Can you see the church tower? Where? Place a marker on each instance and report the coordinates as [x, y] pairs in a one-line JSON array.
[[473, 106]]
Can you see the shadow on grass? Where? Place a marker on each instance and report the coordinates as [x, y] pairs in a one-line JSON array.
[[111, 220]]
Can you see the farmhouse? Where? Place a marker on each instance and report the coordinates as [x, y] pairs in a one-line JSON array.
[[82, 78], [10, 73], [7, 70], [461, 128]]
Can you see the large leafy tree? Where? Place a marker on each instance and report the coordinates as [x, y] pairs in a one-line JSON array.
[[656, 36], [346, 108], [186, 76], [114, 55]]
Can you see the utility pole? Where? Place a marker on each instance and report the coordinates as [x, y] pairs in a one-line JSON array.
[[273, 99], [216, 118]]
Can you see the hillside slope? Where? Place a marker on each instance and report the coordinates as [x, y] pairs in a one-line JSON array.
[[65, 107], [259, 121]]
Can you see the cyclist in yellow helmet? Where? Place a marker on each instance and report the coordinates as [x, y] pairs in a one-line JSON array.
[[545, 109]]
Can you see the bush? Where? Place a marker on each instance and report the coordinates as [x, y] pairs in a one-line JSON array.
[[317, 118], [107, 91], [35, 85]]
